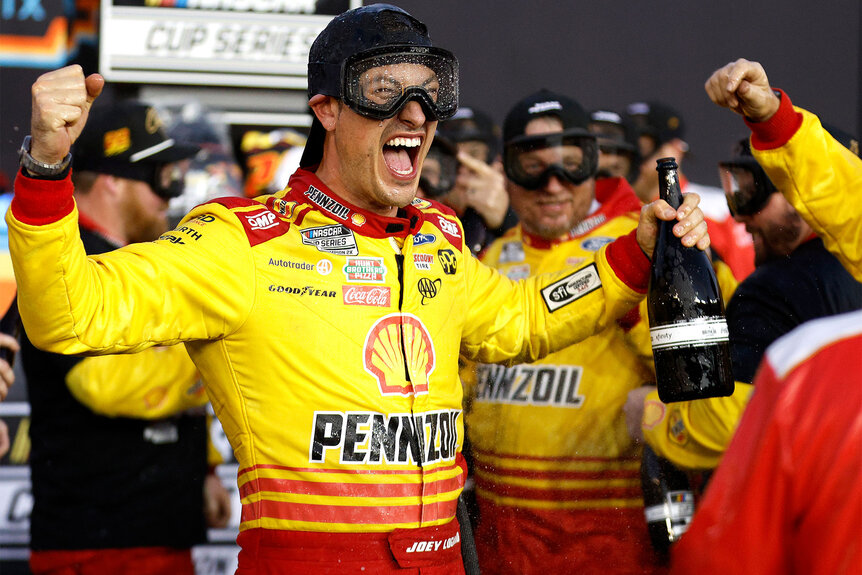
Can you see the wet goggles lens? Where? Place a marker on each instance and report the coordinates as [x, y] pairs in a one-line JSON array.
[[572, 156], [746, 188], [440, 170], [378, 83]]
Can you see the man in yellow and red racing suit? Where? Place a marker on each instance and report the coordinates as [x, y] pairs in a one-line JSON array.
[[326, 320], [556, 474], [817, 174]]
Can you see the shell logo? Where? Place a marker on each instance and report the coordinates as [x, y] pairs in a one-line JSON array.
[[384, 359], [357, 219]]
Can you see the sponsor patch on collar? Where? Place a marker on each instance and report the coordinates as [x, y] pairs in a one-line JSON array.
[[327, 204]]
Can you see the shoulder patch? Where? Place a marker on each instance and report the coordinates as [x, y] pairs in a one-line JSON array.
[[260, 223], [451, 230]]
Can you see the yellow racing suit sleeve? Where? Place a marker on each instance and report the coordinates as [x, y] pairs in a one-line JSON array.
[[821, 179], [155, 383], [521, 321], [188, 285], [694, 434]]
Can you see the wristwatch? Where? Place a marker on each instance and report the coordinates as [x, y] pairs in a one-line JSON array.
[[37, 168]]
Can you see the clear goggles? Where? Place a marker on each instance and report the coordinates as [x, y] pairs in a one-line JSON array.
[[377, 83], [440, 169], [746, 187], [572, 156]]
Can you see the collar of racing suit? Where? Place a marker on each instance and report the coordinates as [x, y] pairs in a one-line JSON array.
[[306, 188]]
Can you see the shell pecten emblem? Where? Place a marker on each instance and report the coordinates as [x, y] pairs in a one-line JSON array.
[[384, 355]]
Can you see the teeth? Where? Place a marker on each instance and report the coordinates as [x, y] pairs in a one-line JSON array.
[[403, 172], [405, 142]]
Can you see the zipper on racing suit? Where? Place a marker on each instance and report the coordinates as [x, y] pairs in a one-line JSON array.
[[399, 260]]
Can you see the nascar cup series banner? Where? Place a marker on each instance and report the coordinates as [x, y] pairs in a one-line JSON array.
[[249, 43]]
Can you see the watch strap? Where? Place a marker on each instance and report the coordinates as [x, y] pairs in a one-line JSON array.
[[37, 169]]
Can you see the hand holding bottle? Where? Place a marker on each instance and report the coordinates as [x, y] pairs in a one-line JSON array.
[[691, 227], [688, 330]]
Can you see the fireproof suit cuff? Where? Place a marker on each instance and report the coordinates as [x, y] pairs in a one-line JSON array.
[[38, 202], [629, 262], [777, 130]]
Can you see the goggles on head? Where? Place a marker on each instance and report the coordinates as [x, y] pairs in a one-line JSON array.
[[377, 83], [571, 155], [440, 169], [746, 186]]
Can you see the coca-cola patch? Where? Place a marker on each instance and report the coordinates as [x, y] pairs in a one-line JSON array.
[[379, 296]]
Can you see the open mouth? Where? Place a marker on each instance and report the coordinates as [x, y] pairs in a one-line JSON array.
[[400, 155]]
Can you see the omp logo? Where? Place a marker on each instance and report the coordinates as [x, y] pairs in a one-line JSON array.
[[393, 340], [262, 220], [448, 227], [448, 261]]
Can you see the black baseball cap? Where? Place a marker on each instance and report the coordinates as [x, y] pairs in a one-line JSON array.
[[544, 103], [658, 120], [614, 130], [127, 139], [468, 125], [347, 34]]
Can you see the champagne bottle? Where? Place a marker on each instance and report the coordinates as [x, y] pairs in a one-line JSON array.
[[668, 500], [688, 331]]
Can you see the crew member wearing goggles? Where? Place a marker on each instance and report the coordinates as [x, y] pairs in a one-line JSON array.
[[546, 423], [746, 186], [571, 155], [326, 319]]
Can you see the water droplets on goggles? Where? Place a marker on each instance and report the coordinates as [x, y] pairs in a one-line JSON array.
[[377, 83], [746, 186], [571, 155]]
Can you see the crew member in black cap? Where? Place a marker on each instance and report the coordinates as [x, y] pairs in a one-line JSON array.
[[119, 443], [326, 319], [662, 132], [562, 415], [619, 154], [479, 196]]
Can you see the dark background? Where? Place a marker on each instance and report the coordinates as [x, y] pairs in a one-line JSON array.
[[611, 53]]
